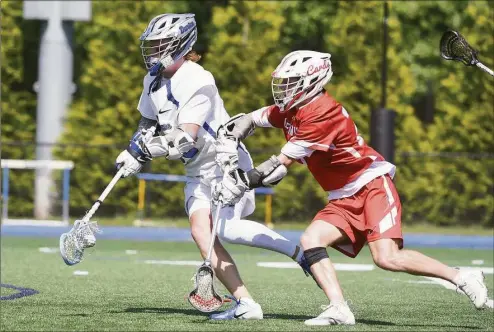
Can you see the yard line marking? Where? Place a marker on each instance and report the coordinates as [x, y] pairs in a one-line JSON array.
[[478, 262], [181, 263], [131, 252], [429, 282], [486, 270], [337, 266], [80, 273], [444, 283], [47, 250], [449, 285]]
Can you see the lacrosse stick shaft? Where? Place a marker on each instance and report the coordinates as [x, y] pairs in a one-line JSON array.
[[213, 233], [485, 68], [105, 193]]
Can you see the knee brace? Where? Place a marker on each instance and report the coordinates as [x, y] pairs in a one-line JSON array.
[[314, 255]]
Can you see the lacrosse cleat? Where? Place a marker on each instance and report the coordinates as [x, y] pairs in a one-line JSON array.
[[244, 308], [472, 284], [333, 314]]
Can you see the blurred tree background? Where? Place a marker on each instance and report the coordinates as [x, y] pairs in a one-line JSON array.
[[445, 162]]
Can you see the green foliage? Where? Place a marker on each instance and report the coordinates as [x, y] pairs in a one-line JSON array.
[[446, 191], [242, 42], [18, 102]]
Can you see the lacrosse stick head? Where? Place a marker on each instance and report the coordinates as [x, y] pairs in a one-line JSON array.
[[204, 296], [69, 248], [80, 237], [454, 47]]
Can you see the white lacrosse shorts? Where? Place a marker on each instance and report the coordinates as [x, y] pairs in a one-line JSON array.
[[198, 195]]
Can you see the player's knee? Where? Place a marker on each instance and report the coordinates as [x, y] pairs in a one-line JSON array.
[[389, 261], [309, 240], [315, 255]]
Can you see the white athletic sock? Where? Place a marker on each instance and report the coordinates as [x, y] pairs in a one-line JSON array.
[[254, 234]]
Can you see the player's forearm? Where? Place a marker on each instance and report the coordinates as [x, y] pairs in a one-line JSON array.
[[285, 160], [145, 123], [242, 125], [190, 128], [260, 117]]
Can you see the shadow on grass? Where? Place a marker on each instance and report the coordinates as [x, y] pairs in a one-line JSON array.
[[287, 317], [382, 323], [197, 314], [188, 312], [192, 312], [76, 315]]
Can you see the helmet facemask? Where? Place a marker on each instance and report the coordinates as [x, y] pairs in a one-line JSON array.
[[292, 91], [159, 53], [285, 90]]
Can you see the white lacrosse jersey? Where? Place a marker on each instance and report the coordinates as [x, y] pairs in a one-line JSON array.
[[190, 96]]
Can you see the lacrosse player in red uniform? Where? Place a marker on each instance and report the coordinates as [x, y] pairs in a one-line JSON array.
[[363, 204]]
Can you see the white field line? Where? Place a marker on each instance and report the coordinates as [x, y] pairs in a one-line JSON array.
[[181, 263], [337, 266], [449, 285], [48, 250], [429, 282], [279, 265], [486, 270], [444, 283]]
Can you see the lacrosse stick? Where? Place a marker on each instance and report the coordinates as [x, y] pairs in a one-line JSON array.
[[454, 47], [204, 296], [81, 236]]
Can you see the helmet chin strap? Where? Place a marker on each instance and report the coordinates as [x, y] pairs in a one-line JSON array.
[[162, 64], [293, 101], [166, 71], [303, 103], [310, 100]]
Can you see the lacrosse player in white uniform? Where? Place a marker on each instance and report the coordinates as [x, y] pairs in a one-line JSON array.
[[181, 111]]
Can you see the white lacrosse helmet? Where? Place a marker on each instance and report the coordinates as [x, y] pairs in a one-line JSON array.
[[167, 38], [300, 76]]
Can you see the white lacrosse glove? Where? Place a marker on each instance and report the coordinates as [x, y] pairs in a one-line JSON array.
[[136, 155], [232, 188], [129, 163], [226, 152]]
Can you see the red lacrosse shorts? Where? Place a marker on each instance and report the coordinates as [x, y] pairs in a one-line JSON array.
[[371, 214]]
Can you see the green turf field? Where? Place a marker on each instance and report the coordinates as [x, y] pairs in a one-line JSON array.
[[472, 229], [123, 293]]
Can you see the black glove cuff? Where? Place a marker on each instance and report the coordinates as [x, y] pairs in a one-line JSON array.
[[255, 178], [136, 152]]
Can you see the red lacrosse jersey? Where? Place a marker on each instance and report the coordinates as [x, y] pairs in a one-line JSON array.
[[340, 161]]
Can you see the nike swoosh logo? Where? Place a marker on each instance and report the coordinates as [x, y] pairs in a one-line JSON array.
[[238, 316], [164, 111]]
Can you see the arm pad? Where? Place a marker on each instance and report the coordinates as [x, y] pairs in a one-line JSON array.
[[181, 145], [175, 145], [269, 173], [238, 127]]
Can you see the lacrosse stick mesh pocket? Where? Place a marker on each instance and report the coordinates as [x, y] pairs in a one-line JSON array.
[[80, 237], [85, 234], [69, 248], [204, 297], [454, 47]]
